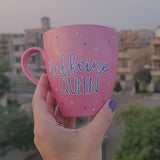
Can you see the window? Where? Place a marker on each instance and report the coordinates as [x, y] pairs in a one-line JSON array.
[[16, 47], [23, 47], [18, 71], [157, 49], [4, 48], [124, 63], [32, 45], [18, 59], [157, 64], [41, 37], [33, 59], [122, 77]]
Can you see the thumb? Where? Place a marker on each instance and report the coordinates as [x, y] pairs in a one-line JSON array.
[[103, 119]]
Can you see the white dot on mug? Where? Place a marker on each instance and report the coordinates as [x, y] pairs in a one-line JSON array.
[[109, 83], [77, 33], [93, 109], [51, 62], [113, 37], [60, 47], [56, 89], [95, 49], [71, 102]]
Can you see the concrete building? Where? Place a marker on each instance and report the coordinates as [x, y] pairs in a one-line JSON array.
[[5, 45], [45, 24], [33, 38], [131, 61], [134, 55], [12, 46], [138, 38], [5, 41], [18, 47], [155, 58], [144, 36]]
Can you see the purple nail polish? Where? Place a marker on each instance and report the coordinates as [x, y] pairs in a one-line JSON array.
[[112, 105]]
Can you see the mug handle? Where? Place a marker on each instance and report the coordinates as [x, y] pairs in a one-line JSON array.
[[24, 62]]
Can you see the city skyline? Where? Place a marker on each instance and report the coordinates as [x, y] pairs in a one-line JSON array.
[[18, 15]]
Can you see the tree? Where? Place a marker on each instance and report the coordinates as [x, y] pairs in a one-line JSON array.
[[117, 87], [16, 130], [157, 85], [4, 64], [4, 84], [143, 78], [136, 84], [4, 80], [141, 139]]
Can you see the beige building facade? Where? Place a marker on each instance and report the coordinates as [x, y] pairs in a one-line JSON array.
[[5, 42], [5, 46], [136, 49], [18, 47], [155, 58], [131, 60]]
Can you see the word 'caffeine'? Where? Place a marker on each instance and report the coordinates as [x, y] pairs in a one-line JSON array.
[[79, 84]]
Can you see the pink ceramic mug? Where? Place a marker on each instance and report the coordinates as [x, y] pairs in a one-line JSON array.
[[81, 65]]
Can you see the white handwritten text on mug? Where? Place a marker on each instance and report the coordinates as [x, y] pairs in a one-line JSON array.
[[88, 83]]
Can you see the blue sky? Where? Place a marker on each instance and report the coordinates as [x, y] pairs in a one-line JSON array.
[[17, 15]]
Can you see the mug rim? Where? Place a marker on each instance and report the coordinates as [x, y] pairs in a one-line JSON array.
[[76, 25]]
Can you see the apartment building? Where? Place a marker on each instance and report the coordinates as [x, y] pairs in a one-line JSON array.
[[5, 41], [134, 55], [131, 61], [17, 48], [129, 38], [5, 45], [33, 38], [155, 58], [14, 45]]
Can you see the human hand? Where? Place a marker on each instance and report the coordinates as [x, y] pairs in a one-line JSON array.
[[56, 142]]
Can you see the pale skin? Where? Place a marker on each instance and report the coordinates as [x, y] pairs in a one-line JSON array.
[[57, 142]]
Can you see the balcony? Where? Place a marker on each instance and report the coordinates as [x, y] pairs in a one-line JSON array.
[[155, 72], [122, 55], [18, 54], [17, 65], [124, 70], [155, 57]]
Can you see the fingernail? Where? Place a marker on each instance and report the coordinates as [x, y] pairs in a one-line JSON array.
[[112, 105]]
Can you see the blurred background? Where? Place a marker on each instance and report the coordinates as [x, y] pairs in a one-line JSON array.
[[135, 131]]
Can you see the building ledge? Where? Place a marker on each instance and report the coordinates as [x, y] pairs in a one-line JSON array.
[[124, 70], [155, 57], [155, 72], [122, 55]]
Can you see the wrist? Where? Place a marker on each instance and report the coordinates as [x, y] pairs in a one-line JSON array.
[[89, 155], [80, 156]]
